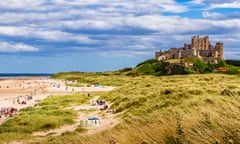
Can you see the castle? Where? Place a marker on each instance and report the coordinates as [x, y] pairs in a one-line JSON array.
[[200, 47]]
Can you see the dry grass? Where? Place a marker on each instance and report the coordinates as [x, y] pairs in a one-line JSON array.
[[172, 109], [169, 109]]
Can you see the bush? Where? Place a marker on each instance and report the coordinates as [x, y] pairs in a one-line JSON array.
[[125, 69], [233, 70], [158, 66], [200, 65], [220, 64], [146, 69], [149, 61]]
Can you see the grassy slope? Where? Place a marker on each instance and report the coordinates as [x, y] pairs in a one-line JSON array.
[[173, 109]]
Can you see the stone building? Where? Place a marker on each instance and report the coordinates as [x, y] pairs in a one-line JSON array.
[[200, 47]]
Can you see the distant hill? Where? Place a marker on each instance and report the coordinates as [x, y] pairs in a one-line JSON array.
[[233, 62]]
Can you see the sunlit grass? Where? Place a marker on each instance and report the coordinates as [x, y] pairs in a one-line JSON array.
[[171, 109], [49, 114]]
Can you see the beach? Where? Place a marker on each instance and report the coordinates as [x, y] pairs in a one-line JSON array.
[[21, 92]]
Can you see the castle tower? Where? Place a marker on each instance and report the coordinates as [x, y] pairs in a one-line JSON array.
[[195, 42], [200, 43], [206, 43], [219, 47]]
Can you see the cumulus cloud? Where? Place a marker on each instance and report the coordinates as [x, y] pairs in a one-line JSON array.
[[216, 15], [52, 35], [16, 47], [218, 1], [20, 4], [227, 4], [104, 26]]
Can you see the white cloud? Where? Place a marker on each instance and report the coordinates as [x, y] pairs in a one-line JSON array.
[[212, 15], [234, 4], [122, 25], [53, 36], [196, 2], [219, 16], [20, 4], [219, 1], [17, 47]]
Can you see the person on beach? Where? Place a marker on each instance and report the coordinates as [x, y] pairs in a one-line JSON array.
[[18, 100]]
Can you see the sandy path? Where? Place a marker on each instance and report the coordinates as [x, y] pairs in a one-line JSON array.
[[107, 121]]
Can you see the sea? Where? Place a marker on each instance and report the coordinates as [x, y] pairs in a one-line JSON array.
[[12, 75]]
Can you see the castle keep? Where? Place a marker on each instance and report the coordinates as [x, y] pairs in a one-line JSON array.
[[200, 47]]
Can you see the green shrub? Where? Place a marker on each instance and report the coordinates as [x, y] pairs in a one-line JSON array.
[[158, 66], [125, 69], [146, 69], [220, 64], [233, 70], [149, 61], [200, 65]]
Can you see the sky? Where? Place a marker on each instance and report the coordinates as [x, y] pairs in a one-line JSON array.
[[49, 36]]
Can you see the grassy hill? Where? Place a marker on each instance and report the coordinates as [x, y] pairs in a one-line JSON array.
[[170, 109], [181, 66], [200, 108]]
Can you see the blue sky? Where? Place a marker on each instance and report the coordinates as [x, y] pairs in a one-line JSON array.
[[48, 36]]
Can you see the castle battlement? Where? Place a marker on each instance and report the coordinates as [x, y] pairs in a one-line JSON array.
[[200, 47]]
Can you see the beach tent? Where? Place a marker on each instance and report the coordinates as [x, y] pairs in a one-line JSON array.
[[90, 122], [93, 121]]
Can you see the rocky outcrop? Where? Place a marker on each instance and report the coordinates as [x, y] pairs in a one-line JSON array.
[[172, 69]]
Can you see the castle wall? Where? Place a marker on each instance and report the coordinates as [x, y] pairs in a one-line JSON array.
[[207, 53], [187, 53], [200, 47]]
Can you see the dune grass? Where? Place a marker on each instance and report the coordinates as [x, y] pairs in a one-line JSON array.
[[51, 113], [170, 109], [108, 78]]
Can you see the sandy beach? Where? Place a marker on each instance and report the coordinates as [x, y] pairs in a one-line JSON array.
[[20, 92]]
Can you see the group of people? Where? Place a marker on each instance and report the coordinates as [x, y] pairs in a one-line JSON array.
[[22, 100], [7, 112], [98, 102], [103, 105]]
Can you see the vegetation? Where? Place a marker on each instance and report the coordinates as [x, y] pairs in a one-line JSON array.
[[193, 108], [233, 62], [49, 114], [170, 109], [190, 65]]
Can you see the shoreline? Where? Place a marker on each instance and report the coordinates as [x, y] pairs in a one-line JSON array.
[[24, 77]]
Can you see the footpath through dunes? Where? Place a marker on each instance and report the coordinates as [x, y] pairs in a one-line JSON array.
[[18, 93], [104, 119]]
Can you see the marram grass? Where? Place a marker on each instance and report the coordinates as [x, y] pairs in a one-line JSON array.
[[200, 109], [171, 109], [49, 114]]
